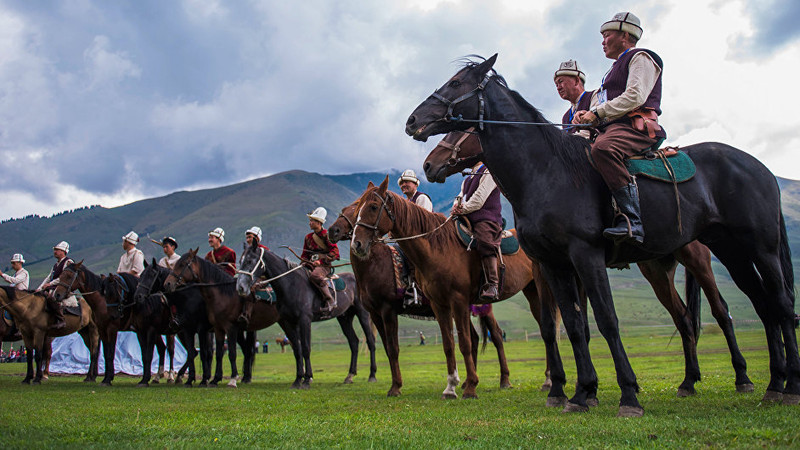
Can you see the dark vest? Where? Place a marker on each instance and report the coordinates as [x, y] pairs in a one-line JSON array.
[[617, 78], [492, 209], [584, 102], [416, 195], [59, 267]]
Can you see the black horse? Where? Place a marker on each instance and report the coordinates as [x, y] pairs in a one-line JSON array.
[[561, 206], [299, 302]]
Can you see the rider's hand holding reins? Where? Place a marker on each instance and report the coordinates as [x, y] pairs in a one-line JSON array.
[[586, 117]]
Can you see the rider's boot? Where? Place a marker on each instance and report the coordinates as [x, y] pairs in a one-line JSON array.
[[58, 314], [489, 291], [628, 222], [247, 309], [330, 302], [174, 324]]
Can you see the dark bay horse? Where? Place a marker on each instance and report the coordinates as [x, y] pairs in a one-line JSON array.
[[191, 310], [450, 277], [223, 306], [561, 205], [460, 150], [298, 303], [381, 296], [33, 320], [108, 315]]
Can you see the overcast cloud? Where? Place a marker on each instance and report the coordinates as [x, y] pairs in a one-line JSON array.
[[110, 102]]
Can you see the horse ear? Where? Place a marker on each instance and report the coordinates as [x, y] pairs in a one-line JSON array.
[[485, 66], [154, 261], [194, 251], [371, 185], [79, 263], [384, 186], [145, 264]]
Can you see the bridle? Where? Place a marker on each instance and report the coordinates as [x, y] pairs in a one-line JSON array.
[[349, 234], [148, 289], [179, 276], [451, 104], [66, 286], [454, 160], [384, 207], [252, 273]]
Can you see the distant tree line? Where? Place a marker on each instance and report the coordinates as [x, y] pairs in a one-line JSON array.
[[37, 216]]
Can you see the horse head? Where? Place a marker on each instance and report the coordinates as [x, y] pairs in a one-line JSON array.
[[342, 228], [147, 281], [185, 271], [375, 218], [457, 151], [461, 96], [251, 267], [71, 279]]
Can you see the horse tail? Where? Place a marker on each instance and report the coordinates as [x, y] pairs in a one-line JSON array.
[[786, 262], [486, 325], [693, 301]]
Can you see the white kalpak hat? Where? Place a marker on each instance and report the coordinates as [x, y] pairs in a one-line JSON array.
[[570, 68], [63, 245], [625, 22], [131, 237], [255, 231], [319, 214], [18, 258], [218, 232], [408, 175]]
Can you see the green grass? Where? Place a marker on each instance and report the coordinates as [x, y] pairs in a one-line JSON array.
[[64, 412]]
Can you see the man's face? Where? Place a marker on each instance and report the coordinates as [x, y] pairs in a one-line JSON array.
[[315, 225], [58, 254], [408, 187], [613, 43], [569, 88], [126, 245], [168, 249], [214, 242], [249, 238], [16, 265]]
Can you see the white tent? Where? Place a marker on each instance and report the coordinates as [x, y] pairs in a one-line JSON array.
[[70, 355]]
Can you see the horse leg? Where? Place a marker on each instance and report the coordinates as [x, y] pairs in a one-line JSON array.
[[205, 337], [48, 353], [89, 337], [171, 353], [109, 351], [233, 336], [291, 333], [219, 335], [696, 257], [463, 324], [386, 323], [305, 342], [445, 319], [146, 343], [248, 342], [544, 310], [162, 350], [369, 338], [497, 340], [660, 274], [346, 324]]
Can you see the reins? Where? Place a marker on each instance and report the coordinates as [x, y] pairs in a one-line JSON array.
[[387, 240]]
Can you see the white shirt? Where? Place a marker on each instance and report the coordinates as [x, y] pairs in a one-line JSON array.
[[424, 201], [478, 198], [643, 73], [20, 279], [131, 262], [169, 261]]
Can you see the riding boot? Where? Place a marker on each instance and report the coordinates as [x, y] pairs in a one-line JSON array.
[[247, 309], [174, 324], [330, 302], [628, 221], [58, 314], [489, 291]]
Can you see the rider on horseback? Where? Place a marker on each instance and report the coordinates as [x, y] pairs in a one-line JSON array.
[[132, 261], [318, 254], [481, 205], [629, 102], [254, 233], [409, 183], [21, 278], [569, 80], [49, 284], [220, 254], [169, 244]]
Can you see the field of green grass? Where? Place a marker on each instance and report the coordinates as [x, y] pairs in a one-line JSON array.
[[64, 412]]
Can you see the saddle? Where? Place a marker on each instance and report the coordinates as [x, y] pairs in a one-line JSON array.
[[509, 244], [668, 164], [266, 294], [335, 284]]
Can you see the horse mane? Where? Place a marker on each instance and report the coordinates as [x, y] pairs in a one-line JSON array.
[[93, 281], [10, 293], [421, 219], [212, 273]]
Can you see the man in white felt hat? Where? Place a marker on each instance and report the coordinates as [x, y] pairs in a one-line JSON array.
[[318, 255], [132, 261], [569, 80], [252, 237], [409, 184], [60, 251], [254, 233], [221, 255], [629, 103], [21, 278]]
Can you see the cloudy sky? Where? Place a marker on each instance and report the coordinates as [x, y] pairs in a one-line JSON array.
[[110, 102]]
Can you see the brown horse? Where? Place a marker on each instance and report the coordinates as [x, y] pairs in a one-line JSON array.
[[460, 150], [223, 306], [384, 301], [449, 275], [108, 313], [33, 320]]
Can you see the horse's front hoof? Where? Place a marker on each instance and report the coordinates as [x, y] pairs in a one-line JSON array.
[[683, 392], [772, 397], [232, 383], [745, 388], [142, 384], [791, 399], [574, 408], [506, 385], [591, 402], [393, 392], [106, 384], [469, 395], [37, 382], [349, 378], [372, 379], [556, 402], [546, 386], [26, 381], [89, 380], [449, 396], [305, 385], [295, 385], [630, 411]]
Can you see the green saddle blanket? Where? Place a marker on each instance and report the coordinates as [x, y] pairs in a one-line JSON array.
[[267, 294], [336, 283], [508, 245], [680, 165]]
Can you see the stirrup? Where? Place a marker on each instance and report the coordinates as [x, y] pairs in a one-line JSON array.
[[410, 297]]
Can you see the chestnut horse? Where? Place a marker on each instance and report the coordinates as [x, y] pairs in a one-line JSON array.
[[449, 275], [33, 320], [379, 291], [460, 150]]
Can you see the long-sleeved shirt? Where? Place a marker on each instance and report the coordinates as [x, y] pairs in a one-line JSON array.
[[169, 261], [476, 201], [131, 262], [20, 280], [643, 73]]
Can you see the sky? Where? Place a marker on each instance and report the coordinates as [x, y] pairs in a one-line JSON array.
[[111, 102]]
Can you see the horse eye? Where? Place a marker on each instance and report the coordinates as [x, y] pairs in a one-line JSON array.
[[373, 208], [454, 84]]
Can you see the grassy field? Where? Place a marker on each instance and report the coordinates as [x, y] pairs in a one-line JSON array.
[[64, 412]]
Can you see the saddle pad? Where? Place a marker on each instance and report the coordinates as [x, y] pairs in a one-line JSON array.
[[508, 244], [336, 283], [267, 294], [74, 310], [681, 165], [7, 318]]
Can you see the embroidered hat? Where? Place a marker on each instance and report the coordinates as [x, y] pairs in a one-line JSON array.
[[408, 175], [255, 231], [570, 68], [131, 237], [218, 232], [63, 245], [169, 240], [319, 214], [625, 22], [18, 258]]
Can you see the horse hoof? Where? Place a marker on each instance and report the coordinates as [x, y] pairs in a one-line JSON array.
[[247, 380], [188, 385], [592, 402], [295, 385], [393, 393], [232, 383], [170, 381], [573, 408], [305, 386], [372, 379], [556, 402], [546, 387], [449, 396], [772, 397], [37, 382], [106, 384], [630, 411], [45, 377], [349, 378], [28, 381], [683, 392], [745, 388], [470, 395], [506, 385], [791, 399], [142, 385]]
